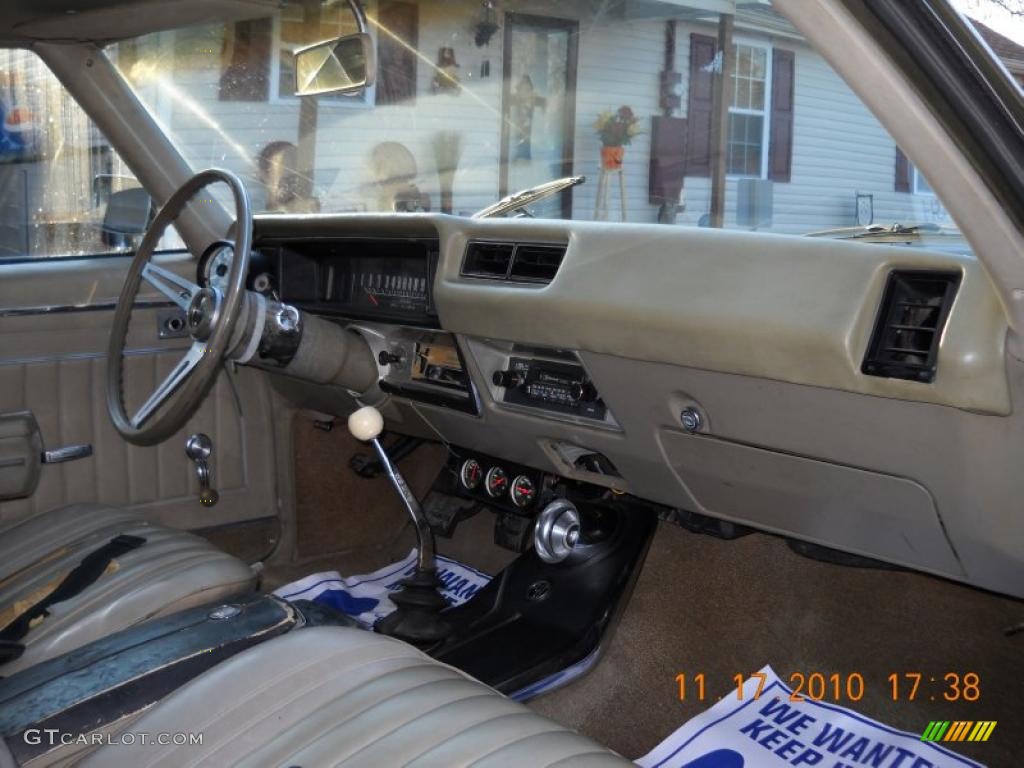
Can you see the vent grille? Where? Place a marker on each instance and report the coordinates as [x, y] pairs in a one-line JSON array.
[[488, 259], [521, 263], [905, 342], [536, 263]]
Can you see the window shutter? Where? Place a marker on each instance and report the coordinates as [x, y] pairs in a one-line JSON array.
[[902, 181], [396, 58], [699, 105], [245, 68], [780, 147], [668, 144]]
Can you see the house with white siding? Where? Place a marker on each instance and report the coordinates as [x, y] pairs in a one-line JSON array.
[[474, 100]]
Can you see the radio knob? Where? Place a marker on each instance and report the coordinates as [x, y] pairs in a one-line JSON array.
[[508, 379], [582, 392]]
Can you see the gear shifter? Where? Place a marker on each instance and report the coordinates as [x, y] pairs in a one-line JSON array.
[[419, 602]]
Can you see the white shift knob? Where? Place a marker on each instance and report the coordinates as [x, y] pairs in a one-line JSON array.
[[366, 423]]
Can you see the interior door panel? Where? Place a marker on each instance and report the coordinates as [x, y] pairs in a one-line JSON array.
[[54, 321]]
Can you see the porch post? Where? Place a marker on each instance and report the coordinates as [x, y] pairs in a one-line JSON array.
[[309, 112], [720, 121]]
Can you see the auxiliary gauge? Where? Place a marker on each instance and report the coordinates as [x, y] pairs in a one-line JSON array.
[[523, 491], [471, 474], [497, 482]]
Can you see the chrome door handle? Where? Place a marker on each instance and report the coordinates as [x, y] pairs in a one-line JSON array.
[[67, 453]]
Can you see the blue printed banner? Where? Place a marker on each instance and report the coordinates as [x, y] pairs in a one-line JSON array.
[[365, 597], [770, 730]]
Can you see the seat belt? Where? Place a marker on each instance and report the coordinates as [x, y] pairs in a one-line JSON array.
[[78, 579]]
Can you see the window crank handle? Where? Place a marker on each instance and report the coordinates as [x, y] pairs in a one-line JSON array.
[[199, 449]]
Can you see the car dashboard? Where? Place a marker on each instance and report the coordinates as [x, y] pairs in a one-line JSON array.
[[382, 288], [672, 364]]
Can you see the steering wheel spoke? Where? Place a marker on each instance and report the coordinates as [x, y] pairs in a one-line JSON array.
[[171, 384], [177, 289]]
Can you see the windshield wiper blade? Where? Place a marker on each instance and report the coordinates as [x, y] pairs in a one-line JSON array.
[[894, 231], [517, 200]]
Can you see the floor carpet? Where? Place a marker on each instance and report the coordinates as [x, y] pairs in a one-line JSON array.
[[703, 605], [721, 608], [338, 511]]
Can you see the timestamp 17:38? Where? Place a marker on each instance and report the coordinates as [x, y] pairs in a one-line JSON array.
[[838, 687]]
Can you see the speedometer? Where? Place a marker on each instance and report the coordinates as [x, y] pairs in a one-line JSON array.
[[497, 482]]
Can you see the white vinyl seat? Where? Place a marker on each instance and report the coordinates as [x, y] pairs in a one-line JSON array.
[[334, 696], [172, 570]]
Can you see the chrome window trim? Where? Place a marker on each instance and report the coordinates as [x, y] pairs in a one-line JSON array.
[[99, 306]]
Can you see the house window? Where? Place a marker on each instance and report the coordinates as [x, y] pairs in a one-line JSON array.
[[296, 27], [746, 152], [921, 185]]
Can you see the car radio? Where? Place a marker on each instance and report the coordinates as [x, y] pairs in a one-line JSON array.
[[556, 386]]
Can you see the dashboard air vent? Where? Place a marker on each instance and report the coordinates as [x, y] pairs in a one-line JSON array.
[[488, 259], [518, 262], [905, 342], [536, 263]]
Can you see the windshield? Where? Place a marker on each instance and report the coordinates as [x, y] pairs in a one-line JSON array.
[[674, 113]]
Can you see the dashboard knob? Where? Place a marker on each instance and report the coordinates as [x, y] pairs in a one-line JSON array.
[[387, 358], [507, 379], [583, 392]]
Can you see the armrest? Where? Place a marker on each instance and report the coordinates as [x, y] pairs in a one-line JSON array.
[[21, 448]]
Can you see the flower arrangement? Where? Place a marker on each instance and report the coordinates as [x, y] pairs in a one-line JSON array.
[[618, 128]]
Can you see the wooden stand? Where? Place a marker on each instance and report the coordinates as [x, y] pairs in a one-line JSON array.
[[601, 201]]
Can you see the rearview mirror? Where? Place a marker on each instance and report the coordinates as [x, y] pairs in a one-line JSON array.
[[342, 65]]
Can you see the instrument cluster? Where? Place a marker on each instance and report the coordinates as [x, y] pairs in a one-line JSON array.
[[380, 279]]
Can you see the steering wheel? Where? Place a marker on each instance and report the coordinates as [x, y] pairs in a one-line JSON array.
[[210, 316]]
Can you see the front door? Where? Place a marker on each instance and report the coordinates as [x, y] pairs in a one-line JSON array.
[[64, 252], [538, 106]]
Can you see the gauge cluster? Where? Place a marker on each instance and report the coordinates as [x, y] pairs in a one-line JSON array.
[[387, 279], [499, 483]]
